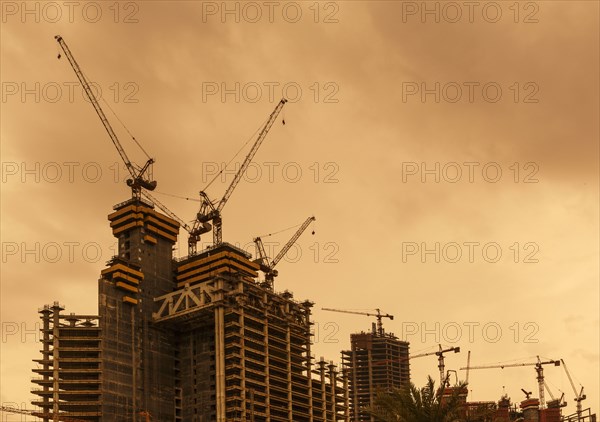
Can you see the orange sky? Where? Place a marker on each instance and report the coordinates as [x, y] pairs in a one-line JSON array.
[[411, 127]]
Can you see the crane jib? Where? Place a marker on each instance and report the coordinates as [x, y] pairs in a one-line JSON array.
[[210, 212], [137, 182]]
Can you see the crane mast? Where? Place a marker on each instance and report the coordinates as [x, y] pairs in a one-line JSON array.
[[468, 366], [137, 181], [378, 315], [579, 397], [538, 369], [269, 268], [441, 366], [211, 212]]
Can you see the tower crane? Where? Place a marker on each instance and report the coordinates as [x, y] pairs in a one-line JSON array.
[[378, 315], [439, 353], [538, 369], [35, 413], [413, 356], [138, 179], [468, 366], [579, 397], [269, 267], [561, 402], [211, 211]]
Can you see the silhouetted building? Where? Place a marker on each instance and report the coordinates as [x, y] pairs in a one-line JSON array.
[[376, 361], [196, 339]]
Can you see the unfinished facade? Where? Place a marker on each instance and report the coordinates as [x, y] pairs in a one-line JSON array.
[[376, 361], [198, 339], [68, 374]]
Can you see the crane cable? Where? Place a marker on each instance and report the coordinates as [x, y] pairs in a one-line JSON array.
[[233, 158], [289, 228], [125, 127], [114, 114], [179, 197]]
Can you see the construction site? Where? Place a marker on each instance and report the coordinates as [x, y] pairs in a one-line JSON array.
[[207, 337]]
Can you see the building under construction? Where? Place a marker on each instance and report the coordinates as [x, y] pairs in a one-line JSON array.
[[196, 339], [68, 374], [377, 361]]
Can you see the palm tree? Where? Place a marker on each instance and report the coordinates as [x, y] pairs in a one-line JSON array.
[[413, 404]]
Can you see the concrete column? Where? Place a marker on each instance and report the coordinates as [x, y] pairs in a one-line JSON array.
[[267, 374], [332, 382], [309, 364], [346, 395], [288, 351], [46, 354], [220, 362], [323, 389], [245, 394], [55, 359]]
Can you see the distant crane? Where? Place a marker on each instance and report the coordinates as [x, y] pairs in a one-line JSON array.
[[579, 397], [439, 353], [138, 179], [378, 315], [269, 267], [527, 393], [468, 366], [35, 413], [561, 402], [538, 368], [210, 211]]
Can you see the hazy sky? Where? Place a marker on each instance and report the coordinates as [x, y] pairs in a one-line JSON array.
[[449, 151]]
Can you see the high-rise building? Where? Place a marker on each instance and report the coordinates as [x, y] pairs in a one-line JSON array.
[[376, 361], [196, 339], [68, 374]]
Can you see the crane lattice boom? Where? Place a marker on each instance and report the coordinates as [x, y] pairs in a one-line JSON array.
[[437, 352], [261, 136], [263, 260], [579, 397], [538, 368], [208, 210], [137, 182], [378, 315]]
